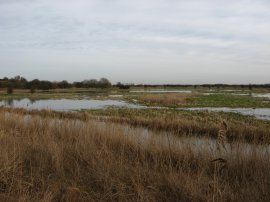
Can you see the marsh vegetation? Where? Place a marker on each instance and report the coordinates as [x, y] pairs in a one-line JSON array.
[[151, 153], [53, 156]]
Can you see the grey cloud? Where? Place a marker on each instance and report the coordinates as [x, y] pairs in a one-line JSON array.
[[220, 31]]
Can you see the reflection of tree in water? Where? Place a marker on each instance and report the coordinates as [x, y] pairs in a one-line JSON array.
[[9, 102], [32, 101]]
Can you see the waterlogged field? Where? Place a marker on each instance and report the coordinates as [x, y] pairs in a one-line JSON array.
[[135, 145]]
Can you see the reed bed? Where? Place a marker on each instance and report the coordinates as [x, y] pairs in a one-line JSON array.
[[54, 158], [240, 128], [167, 99]]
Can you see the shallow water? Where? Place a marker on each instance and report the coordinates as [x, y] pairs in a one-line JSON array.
[[146, 137], [243, 93], [261, 95], [260, 113], [66, 104]]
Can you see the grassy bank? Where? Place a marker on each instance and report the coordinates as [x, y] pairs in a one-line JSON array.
[[46, 157], [201, 100], [197, 98], [227, 100], [178, 122], [197, 123]]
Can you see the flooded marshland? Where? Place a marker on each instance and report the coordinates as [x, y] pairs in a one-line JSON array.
[[66, 104], [85, 104]]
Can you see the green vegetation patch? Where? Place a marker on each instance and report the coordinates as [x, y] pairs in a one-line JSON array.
[[212, 100], [226, 100]]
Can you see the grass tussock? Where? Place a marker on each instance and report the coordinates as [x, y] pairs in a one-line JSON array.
[[167, 99], [45, 158], [199, 99]]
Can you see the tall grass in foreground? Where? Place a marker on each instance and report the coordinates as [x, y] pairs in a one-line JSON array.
[[54, 159]]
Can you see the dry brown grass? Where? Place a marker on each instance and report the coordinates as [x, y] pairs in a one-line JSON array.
[[49, 158], [238, 130], [179, 124], [166, 98]]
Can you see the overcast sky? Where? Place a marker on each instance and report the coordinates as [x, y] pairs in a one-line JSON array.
[[142, 41]]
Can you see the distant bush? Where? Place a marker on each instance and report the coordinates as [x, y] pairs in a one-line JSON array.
[[122, 86], [104, 83], [93, 83], [32, 90], [9, 89]]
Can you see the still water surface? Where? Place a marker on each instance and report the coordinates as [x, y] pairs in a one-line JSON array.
[[73, 104], [260, 113], [66, 104]]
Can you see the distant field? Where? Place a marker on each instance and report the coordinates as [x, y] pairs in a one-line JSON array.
[[168, 97]]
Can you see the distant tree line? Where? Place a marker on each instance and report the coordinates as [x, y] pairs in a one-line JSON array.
[[123, 86], [207, 85], [19, 82]]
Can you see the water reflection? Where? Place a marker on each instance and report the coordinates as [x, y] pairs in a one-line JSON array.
[[73, 104], [197, 144], [32, 101], [261, 95], [10, 102], [66, 104]]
